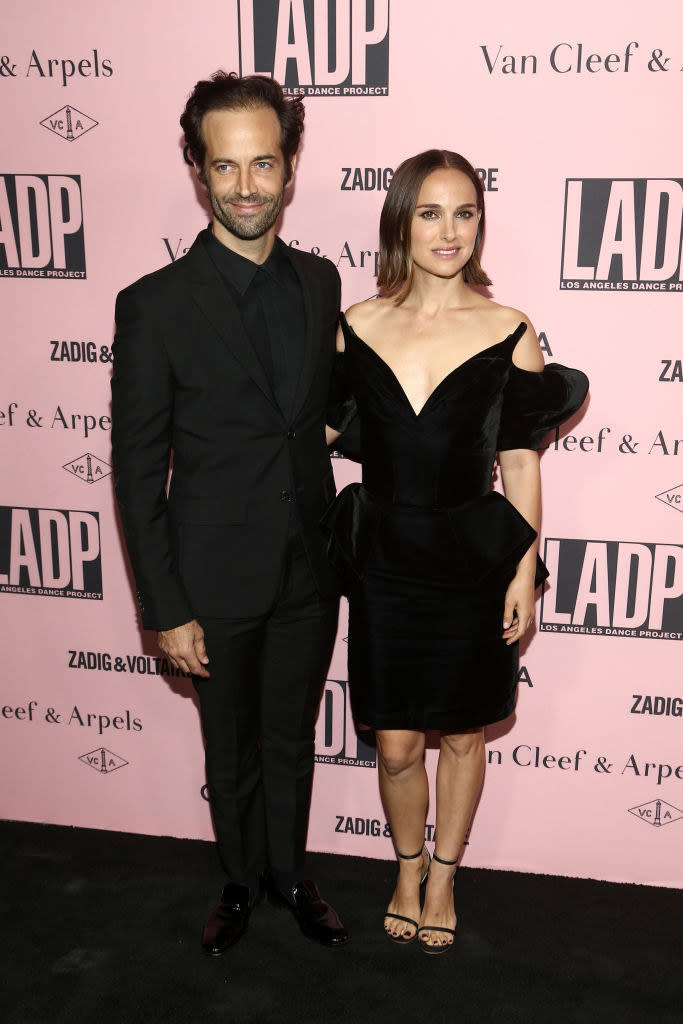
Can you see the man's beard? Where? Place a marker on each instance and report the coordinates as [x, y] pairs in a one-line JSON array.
[[243, 227]]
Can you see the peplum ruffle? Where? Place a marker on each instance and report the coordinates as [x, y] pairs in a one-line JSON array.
[[460, 546]]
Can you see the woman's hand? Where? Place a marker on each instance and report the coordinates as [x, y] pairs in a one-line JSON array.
[[522, 482], [518, 613]]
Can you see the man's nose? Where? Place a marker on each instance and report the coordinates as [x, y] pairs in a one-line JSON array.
[[245, 183]]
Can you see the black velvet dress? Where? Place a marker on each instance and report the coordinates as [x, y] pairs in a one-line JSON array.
[[425, 546]]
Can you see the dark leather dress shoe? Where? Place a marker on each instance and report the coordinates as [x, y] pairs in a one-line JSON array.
[[227, 922], [315, 917]]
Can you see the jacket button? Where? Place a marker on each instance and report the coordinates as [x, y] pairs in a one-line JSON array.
[[291, 434], [286, 496]]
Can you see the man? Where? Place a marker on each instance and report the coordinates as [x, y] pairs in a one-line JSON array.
[[223, 358]]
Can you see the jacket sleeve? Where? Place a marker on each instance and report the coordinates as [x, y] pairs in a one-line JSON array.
[[142, 417]]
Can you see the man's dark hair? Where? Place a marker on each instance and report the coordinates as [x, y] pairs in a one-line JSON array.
[[225, 91]]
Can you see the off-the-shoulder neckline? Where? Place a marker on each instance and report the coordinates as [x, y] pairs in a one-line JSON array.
[[514, 335]]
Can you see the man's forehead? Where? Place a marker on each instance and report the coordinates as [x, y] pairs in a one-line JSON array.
[[254, 128], [241, 118]]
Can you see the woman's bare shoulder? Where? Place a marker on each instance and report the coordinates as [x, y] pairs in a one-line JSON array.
[[364, 315], [527, 353], [504, 318]]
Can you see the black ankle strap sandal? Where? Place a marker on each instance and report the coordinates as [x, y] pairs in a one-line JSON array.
[[402, 940], [426, 946]]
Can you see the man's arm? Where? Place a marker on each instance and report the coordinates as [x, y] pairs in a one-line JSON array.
[[142, 412], [142, 431]]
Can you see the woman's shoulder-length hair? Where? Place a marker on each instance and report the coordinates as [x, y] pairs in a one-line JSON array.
[[395, 263]]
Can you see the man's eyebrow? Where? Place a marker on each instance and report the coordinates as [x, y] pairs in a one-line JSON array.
[[229, 160]]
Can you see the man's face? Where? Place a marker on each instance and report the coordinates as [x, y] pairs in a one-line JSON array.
[[244, 171]]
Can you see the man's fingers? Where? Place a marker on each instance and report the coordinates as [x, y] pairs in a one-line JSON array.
[[184, 646], [192, 663], [200, 649], [188, 660], [198, 671]]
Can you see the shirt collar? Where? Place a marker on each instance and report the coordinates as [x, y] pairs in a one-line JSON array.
[[241, 271]]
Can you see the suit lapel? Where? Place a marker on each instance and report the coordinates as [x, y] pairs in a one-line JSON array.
[[216, 303]]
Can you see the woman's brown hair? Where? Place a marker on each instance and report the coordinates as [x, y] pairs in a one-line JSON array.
[[395, 264]]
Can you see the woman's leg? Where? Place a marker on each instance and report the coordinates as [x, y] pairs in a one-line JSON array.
[[458, 782], [404, 788]]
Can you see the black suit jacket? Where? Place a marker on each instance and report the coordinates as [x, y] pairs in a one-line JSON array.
[[188, 381]]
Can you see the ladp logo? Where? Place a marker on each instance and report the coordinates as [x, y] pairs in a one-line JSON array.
[[50, 553], [317, 47], [622, 234], [336, 739], [41, 226], [614, 588]]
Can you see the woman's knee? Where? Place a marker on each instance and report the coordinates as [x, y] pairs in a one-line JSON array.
[[464, 744], [399, 751]]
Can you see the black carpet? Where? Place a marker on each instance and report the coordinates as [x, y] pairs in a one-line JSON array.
[[103, 927]]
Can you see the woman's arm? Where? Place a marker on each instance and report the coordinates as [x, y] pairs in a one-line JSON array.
[[521, 475]]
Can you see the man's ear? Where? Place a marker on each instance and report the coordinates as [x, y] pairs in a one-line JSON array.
[[199, 171], [292, 164]]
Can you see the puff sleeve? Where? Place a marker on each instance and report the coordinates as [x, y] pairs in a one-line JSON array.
[[534, 403]]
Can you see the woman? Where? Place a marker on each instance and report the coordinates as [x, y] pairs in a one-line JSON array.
[[441, 569]]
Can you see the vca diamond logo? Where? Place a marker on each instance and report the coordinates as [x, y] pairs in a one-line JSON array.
[[69, 123], [673, 498], [103, 761], [657, 813], [88, 468]]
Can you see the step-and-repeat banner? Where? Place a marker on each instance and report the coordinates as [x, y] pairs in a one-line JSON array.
[[571, 115]]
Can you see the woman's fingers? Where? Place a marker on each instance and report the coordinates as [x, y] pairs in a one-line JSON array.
[[516, 625]]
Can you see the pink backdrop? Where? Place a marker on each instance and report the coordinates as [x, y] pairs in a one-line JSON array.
[[573, 121]]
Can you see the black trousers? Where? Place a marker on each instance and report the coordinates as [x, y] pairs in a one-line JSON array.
[[258, 711]]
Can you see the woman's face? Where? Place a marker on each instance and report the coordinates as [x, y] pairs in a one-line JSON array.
[[445, 222]]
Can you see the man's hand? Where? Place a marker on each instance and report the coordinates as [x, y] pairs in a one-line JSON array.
[[184, 647]]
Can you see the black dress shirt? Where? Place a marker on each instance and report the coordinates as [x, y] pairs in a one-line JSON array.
[[271, 305]]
